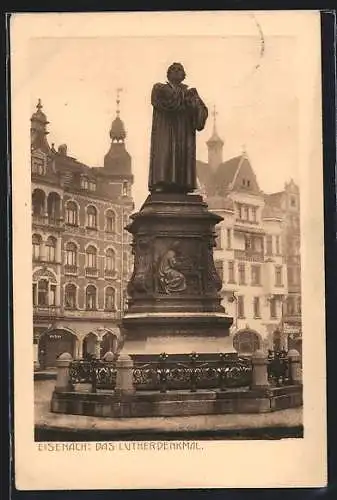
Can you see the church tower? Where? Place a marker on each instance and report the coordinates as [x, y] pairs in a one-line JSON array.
[[117, 161], [215, 146]]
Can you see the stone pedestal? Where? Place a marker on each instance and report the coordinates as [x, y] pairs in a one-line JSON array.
[[174, 301]]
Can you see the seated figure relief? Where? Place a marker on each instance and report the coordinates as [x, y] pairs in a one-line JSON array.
[[170, 278]]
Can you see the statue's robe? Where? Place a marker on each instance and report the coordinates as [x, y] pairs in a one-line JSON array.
[[177, 114]]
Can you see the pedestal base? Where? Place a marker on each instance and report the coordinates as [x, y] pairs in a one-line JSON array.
[[175, 333]]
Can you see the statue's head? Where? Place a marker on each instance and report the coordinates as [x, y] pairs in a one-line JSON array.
[[176, 73]]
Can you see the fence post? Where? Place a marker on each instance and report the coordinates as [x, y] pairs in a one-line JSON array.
[[63, 380], [294, 359], [260, 370], [124, 378]]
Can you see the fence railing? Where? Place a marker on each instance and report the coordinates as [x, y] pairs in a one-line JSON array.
[[223, 371]]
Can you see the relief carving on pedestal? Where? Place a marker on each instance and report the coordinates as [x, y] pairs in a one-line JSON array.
[[141, 280], [170, 278]]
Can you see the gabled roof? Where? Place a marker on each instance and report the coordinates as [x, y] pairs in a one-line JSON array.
[[228, 177]]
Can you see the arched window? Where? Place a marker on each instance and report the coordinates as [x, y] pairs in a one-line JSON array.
[[70, 294], [90, 297], [38, 202], [110, 260], [36, 242], [44, 293], [71, 254], [246, 342], [91, 257], [110, 298], [51, 249], [71, 213], [110, 221], [92, 217]]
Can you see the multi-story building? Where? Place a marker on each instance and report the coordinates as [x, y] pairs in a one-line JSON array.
[[288, 201], [81, 251], [250, 250]]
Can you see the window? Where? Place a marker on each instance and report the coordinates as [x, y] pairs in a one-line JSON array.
[[91, 257], [256, 305], [38, 166], [298, 305], [110, 221], [277, 245], [256, 275], [219, 268], [92, 217], [51, 249], [71, 213], [269, 245], [90, 297], [291, 305], [84, 183], [110, 298], [52, 295], [246, 213], [273, 308], [36, 241], [241, 306], [218, 238], [34, 294], [231, 272], [254, 214], [248, 243], [293, 201], [42, 292], [229, 239], [125, 188], [71, 254], [278, 276], [242, 273], [70, 296], [92, 185], [125, 262], [110, 260]]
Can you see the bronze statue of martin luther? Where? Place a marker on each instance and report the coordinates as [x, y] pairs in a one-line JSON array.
[[178, 112]]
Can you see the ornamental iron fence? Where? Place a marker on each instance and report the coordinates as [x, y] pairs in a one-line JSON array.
[[191, 372]]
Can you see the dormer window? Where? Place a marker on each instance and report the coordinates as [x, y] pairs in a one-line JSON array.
[[84, 183], [92, 185]]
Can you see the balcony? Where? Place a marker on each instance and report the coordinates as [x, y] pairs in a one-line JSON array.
[[70, 270], [91, 272], [110, 273], [46, 311], [48, 221], [248, 256], [92, 314]]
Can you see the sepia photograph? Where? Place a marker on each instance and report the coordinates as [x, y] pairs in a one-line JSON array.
[[168, 251]]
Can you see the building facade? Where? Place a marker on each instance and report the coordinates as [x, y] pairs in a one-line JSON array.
[[256, 252], [288, 201], [81, 253]]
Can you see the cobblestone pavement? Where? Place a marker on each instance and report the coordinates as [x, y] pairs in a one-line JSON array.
[[290, 418]]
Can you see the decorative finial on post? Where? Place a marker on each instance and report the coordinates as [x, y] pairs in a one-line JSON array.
[[118, 90], [39, 104]]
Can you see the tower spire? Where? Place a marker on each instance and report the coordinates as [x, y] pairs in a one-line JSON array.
[[214, 114], [117, 131], [214, 144], [118, 100]]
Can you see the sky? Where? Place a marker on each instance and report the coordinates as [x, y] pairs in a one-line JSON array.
[[252, 81]]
